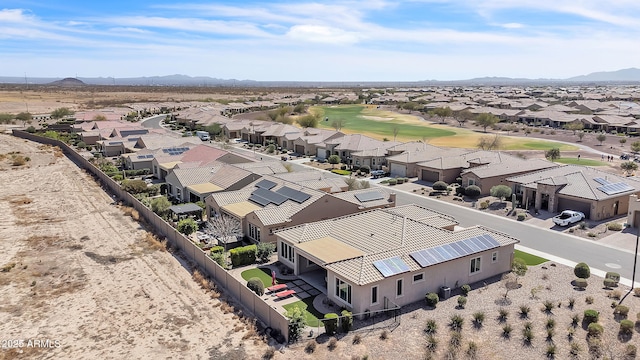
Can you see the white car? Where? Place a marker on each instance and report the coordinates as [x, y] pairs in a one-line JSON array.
[[568, 217]]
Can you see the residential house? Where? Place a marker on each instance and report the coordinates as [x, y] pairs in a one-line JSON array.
[[596, 193], [346, 145], [406, 163], [270, 204], [376, 259]]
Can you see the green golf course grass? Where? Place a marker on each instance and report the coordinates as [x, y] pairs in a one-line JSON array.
[[531, 260], [380, 124], [311, 315], [585, 162]]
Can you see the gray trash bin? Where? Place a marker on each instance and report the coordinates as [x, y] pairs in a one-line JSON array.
[[445, 292]]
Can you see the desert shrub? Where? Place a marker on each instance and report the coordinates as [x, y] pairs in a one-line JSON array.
[[462, 301], [506, 330], [472, 191], [572, 303], [524, 311], [217, 250], [384, 335], [264, 251], [630, 351], [478, 318], [582, 270], [432, 299], [636, 291], [431, 327], [614, 226], [613, 276], [220, 259], [609, 283], [580, 283], [310, 347], [588, 300], [465, 289], [392, 181], [551, 323], [346, 322], [456, 322], [502, 315], [615, 294], [575, 349], [472, 350], [621, 310], [484, 205], [527, 335], [521, 216], [591, 316], [592, 234], [548, 306], [595, 329], [333, 343], [357, 339], [330, 323], [256, 285], [455, 341], [460, 191], [244, 255], [269, 353], [626, 326], [432, 343], [575, 319], [439, 186]]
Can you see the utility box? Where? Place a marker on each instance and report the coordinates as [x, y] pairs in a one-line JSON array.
[[445, 292]]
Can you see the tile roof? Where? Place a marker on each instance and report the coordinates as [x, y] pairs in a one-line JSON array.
[[509, 165], [380, 234], [350, 196], [577, 181], [263, 167]]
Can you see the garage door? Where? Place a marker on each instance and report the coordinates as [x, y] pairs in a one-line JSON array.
[[398, 170], [429, 175], [571, 204]]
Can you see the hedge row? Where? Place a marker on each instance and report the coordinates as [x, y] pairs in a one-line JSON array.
[[245, 255]]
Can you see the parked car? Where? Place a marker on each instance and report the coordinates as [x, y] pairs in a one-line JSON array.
[[377, 173], [624, 157], [568, 217]]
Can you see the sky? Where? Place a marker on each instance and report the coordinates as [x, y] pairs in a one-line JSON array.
[[299, 40]]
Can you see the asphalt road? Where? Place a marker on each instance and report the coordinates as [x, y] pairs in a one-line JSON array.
[[574, 249]]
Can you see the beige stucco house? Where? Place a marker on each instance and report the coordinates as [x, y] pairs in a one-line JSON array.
[[385, 257]]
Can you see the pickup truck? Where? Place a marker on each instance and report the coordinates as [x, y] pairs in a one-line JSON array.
[[568, 217]]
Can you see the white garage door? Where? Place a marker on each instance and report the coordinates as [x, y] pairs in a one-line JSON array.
[[398, 170]]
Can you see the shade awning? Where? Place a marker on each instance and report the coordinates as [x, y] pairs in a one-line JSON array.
[[329, 250], [185, 208]]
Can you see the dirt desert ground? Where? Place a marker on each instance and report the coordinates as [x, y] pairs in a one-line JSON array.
[[77, 271]]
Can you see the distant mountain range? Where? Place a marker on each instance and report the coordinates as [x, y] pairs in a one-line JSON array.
[[624, 76]]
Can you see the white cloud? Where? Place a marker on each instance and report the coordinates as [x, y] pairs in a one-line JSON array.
[[512, 26], [322, 34], [14, 15]]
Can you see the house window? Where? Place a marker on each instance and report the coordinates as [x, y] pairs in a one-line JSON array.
[[373, 161], [471, 182], [343, 291], [254, 232], [494, 256], [475, 265], [399, 288], [418, 277], [374, 295], [286, 252]]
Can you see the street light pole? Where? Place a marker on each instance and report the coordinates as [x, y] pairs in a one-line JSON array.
[[635, 260]]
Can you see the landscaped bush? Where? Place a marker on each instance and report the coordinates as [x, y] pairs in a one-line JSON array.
[[460, 191], [217, 250], [439, 186], [346, 322], [264, 251], [392, 181], [521, 216], [582, 270], [465, 289], [614, 226], [484, 205], [432, 299], [621, 311], [456, 322], [609, 283], [595, 329], [613, 276], [472, 191], [591, 316], [626, 326], [220, 259], [243, 255], [462, 301], [365, 169], [330, 323], [400, 181], [256, 285]]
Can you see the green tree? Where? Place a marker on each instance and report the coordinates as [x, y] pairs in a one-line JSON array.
[[333, 160], [580, 135], [485, 120], [264, 251], [134, 186], [296, 323], [25, 117], [213, 129], [490, 142], [5, 118], [309, 120], [442, 113], [635, 146], [299, 108], [601, 138], [622, 141], [337, 124], [574, 126], [501, 191], [519, 266], [396, 130], [552, 154], [160, 206], [60, 113], [462, 116], [629, 166], [187, 226]]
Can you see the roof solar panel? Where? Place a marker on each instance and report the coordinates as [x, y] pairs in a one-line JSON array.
[[391, 266], [601, 181], [455, 250], [259, 200], [270, 195], [615, 188], [295, 195], [369, 196], [265, 184]]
